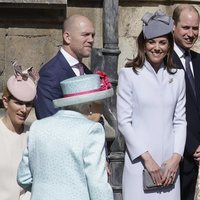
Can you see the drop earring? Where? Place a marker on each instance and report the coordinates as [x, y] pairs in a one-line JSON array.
[[90, 112]]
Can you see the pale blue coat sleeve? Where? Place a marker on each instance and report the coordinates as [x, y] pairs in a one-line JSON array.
[[95, 163], [24, 175], [179, 121], [125, 103]]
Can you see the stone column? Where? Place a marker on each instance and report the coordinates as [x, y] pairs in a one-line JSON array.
[[110, 53]]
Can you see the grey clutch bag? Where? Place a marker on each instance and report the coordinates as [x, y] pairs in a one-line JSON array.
[[148, 183]]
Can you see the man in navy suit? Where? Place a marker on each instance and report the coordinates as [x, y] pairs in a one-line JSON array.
[[186, 31], [78, 38]]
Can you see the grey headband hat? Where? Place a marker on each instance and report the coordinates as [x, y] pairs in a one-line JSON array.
[[157, 24]]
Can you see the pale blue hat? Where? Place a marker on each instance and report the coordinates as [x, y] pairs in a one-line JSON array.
[[82, 89], [157, 24]]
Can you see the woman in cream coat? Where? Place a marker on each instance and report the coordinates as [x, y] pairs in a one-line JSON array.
[[151, 113], [17, 99]]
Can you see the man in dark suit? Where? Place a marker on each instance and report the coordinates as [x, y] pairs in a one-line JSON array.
[[186, 31], [78, 38]]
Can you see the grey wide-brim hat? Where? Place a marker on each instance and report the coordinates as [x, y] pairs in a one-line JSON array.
[[157, 24], [83, 89]]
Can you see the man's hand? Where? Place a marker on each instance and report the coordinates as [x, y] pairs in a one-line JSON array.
[[196, 154]]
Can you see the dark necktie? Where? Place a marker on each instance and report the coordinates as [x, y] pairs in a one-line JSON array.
[[189, 71], [80, 67]]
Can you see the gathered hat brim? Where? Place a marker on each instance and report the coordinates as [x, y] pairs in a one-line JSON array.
[[67, 101]]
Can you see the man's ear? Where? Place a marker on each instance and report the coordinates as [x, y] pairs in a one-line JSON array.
[[173, 26], [66, 37], [5, 102]]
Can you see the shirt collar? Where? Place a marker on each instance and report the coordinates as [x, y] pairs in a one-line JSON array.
[[179, 51], [70, 59]]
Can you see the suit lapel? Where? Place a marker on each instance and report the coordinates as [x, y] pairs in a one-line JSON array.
[[177, 61], [65, 65], [196, 68], [67, 68], [86, 70], [179, 65]]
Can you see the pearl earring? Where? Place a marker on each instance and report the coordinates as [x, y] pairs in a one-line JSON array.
[[90, 112]]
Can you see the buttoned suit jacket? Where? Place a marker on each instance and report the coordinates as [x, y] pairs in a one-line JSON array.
[[188, 168], [65, 159], [48, 88]]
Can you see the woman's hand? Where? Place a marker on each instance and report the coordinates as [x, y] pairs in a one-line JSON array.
[[108, 169], [152, 167], [170, 168]]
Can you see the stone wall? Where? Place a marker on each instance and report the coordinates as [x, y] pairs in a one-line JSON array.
[[30, 31], [130, 15], [130, 27], [30, 34]]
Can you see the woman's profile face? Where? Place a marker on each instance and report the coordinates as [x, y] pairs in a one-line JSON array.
[[156, 49], [17, 110]]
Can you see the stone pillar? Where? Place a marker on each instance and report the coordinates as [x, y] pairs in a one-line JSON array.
[[110, 53]]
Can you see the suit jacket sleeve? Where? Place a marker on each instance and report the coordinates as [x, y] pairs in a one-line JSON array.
[[47, 91], [94, 164]]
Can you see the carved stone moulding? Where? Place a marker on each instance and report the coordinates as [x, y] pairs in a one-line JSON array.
[[45, 12], [35, 1]]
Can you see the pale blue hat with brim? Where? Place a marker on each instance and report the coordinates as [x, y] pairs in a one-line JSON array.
[[156, 24], [82, 89]]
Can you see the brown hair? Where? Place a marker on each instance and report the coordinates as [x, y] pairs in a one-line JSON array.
[[138, 61], [6, 93]]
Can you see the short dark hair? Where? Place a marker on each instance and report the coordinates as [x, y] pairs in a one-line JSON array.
[[177, 11]]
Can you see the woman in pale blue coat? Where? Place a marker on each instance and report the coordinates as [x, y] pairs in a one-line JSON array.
[[65, 157], [151, 113]]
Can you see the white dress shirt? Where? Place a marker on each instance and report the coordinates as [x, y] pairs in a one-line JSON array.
[[71, 60], [180, 52]]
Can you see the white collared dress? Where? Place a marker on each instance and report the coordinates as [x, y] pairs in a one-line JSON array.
[[151, 117]]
